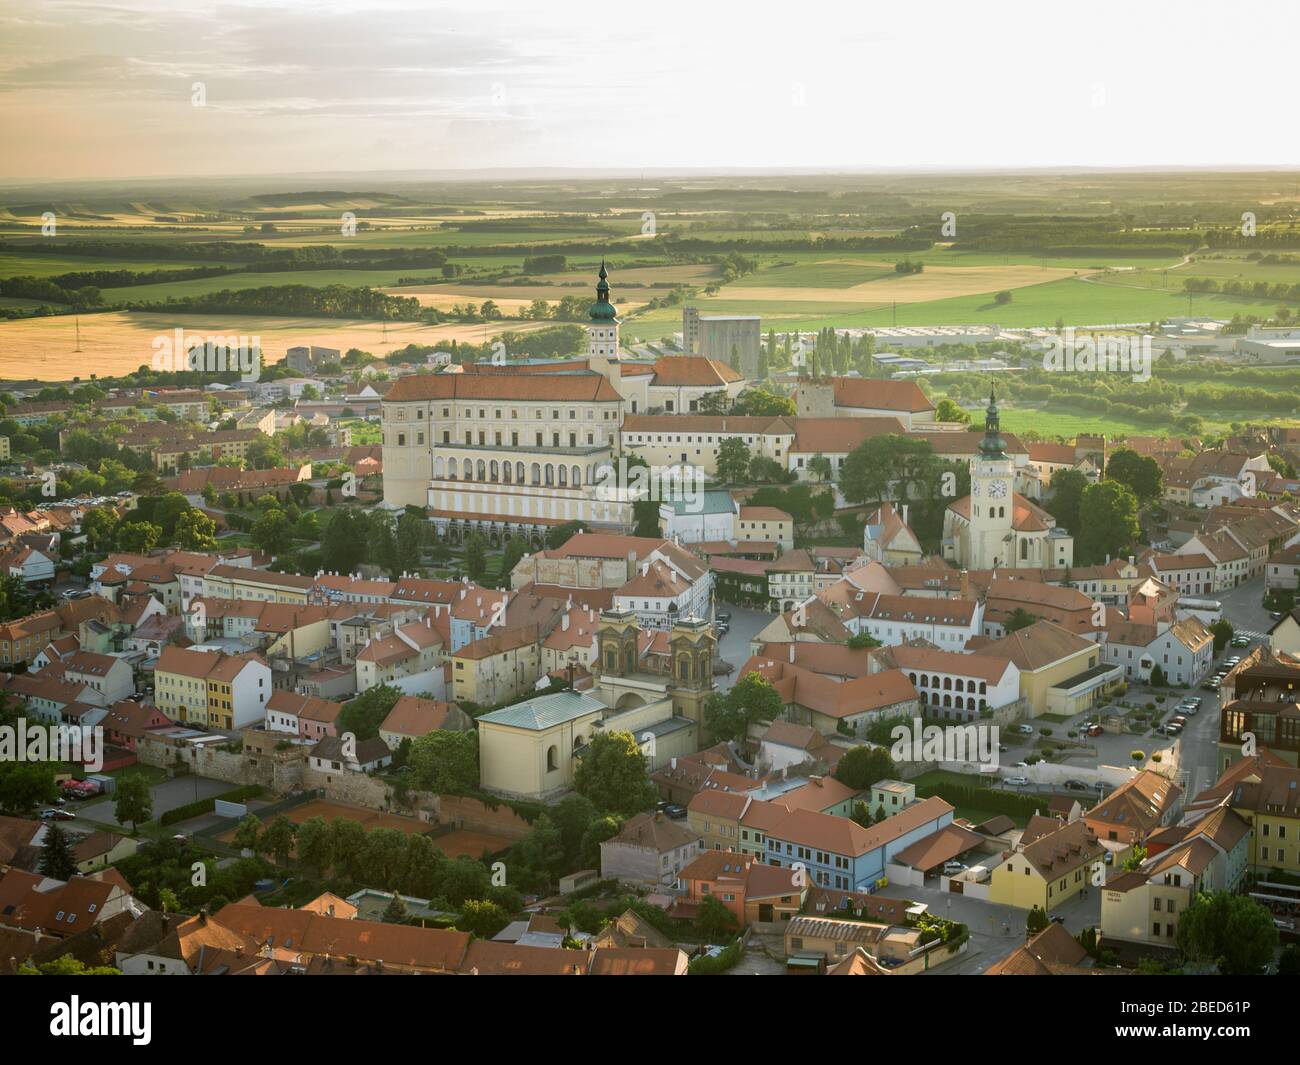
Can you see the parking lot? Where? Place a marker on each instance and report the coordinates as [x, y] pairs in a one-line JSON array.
[[733, 648]]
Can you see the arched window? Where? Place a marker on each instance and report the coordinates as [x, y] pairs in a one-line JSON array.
[[482, 470], [508, 469], [495, 470], [537, 473], [439, 467], [550, 474], [575, 477], [1024, 549], [552, 759], [469, 470], [564, 476], [519, 473]]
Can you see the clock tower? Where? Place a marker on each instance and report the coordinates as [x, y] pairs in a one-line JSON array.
[[602, 333], [992, 479]]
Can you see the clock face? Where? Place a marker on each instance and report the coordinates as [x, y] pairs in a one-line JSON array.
[[998, 490]]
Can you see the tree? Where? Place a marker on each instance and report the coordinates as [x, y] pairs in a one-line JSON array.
[[348, 848], [752, 699], [98, 526], [516, 548], [1223, 633], [1036, 920], [1234, 933], [759, 402], [277, 840], [716, 923], [950, 411], [612, 774], [343, 545], [864, 766], [446, 762], [715, 402], [57, 860], [1067, 498], [539, 856], [26, 784], [891, 467], [1020, 619], [733, 460], [1135, 858], [138, 537], [273, 532], [1002, 298], [482, 917], [248, 836], [1112, 526], [572, 816], [395, 912], [133, 799], [264, 453], [363, 715], [314, 846], [195, 531], [1142, 476], [820, 467], [475, 556]]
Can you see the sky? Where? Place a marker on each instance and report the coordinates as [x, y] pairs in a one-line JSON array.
[[163, 88]]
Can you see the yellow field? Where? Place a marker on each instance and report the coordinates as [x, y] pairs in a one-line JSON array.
[[936, 283], [510, 298], [120, 342]]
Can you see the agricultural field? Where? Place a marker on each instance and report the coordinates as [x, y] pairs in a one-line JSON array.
[[119, 342]]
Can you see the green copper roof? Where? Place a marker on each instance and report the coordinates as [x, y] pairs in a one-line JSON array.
[[545, 710], [602, 310], [992, 446]]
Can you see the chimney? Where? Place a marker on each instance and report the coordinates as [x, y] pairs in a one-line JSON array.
[[904, 513], [673, 763], [792, 654], [965, 584]]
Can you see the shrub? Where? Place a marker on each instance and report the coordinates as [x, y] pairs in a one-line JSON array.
[[728, 959], [1157, 757], [1138, 756]]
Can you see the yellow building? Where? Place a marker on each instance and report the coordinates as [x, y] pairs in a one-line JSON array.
[[263, 586], [498, 667], [4, 449], [1053, 868], [210, 688], [765, 525], [527, 749], [1143, 905], [1060, 672]]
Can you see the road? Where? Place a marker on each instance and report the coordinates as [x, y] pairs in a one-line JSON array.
[[734, 646], [166, 796]]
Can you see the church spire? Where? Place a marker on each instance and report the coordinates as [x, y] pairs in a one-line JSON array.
[[602, 309], [992, 446]]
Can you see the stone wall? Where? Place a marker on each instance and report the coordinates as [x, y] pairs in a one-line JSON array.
[[280, 772], [475, 816]]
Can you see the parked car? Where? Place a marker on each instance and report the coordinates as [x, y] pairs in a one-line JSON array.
[[1241, 641], [674, 811], [952, 868], [1025, 730], [1276, 615], [1096, 730], [1017, 782], [57, 815], [1173, 730], [1211, 685], [723, 617], [1076, 785]]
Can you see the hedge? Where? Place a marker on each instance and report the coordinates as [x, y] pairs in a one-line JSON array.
[[206, 806], [728, 959]]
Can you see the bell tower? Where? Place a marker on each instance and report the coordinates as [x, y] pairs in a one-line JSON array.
[[992, 505], [617, 633], [602, 332], [692, 645]]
